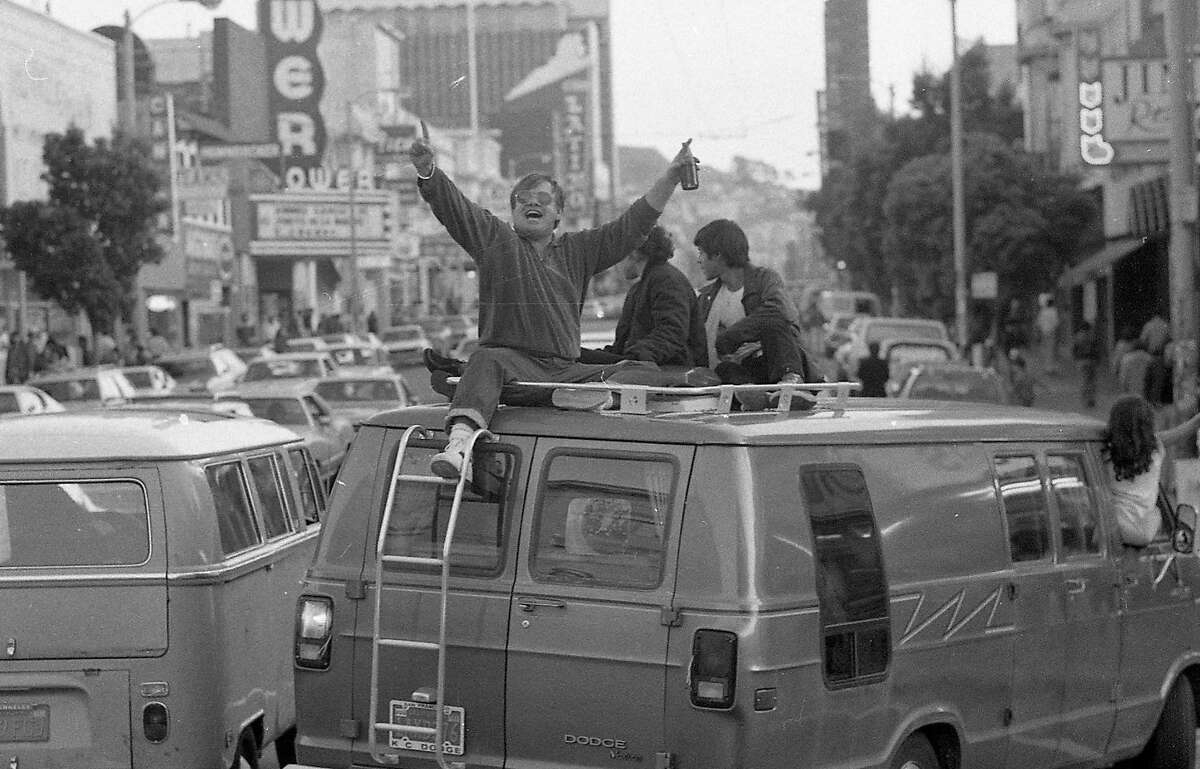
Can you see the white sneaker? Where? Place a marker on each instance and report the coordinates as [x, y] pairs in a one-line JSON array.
[[448, 462]]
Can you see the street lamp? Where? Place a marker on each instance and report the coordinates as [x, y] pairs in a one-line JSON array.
[[129, 108], [956, 181]]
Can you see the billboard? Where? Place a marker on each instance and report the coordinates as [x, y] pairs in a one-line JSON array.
[[292, 29]]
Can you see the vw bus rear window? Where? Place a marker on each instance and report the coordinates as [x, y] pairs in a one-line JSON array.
[[602, 520], [85, 523]]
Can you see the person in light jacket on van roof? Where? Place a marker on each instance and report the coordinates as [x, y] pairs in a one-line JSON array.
[[531, 285], [744, 305], [1135, 454]]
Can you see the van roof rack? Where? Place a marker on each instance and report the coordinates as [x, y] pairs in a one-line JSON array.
[[649, 399]]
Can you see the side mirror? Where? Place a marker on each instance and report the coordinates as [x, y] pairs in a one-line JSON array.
[[1183, 538]]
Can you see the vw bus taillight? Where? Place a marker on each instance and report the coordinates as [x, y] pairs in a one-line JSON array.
[[713, 673], [314, 630]]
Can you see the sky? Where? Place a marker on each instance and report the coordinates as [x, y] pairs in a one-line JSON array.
[[739, 77]]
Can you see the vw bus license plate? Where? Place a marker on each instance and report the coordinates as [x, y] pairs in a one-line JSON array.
[[24, 723], [409, 713]]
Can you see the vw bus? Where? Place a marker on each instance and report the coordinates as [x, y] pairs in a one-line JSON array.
[[149, 560]]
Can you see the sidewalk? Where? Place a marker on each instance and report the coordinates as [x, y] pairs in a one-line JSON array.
[[1060, 391]]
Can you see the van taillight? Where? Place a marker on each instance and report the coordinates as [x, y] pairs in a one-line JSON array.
[[314, 629], [713, 672], [155, 721]]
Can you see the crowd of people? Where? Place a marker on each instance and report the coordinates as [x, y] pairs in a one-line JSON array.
[[25, 355]]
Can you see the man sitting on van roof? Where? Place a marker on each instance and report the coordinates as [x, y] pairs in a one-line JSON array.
[[531, 286], [752, 326]]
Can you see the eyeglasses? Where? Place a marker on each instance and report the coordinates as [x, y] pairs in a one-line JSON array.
[[531, 197]]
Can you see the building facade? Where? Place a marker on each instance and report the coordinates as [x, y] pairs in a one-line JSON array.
[[52, 76], [1094, 88], [846, 110]]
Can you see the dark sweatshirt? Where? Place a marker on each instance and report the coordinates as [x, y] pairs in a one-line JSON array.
[[528, 301]]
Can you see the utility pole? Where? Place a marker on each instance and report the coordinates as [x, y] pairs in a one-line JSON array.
[[1180, 164], [956, 182]]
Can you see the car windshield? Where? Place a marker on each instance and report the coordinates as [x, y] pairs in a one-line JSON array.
[[343, 391], [284, 411], [955, 386], [877, 332], [141, 378], [188, 369], [402, 334], [281, 368], [353, 356], [81, 389]]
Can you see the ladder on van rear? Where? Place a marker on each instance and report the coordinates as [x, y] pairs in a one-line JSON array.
[[435, 733]]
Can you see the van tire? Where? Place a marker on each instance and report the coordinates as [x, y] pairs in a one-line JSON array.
[[246, 755], [1173, 744], [916, 753], [285, 747]]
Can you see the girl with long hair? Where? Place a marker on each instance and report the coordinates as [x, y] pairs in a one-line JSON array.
[[1135, 454]]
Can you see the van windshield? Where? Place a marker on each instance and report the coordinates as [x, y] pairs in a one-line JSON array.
[[73, 524]]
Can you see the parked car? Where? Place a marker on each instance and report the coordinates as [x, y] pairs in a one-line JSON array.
[[215, 369], [903, 354], [149, 380], [836, 331], [454, 328], [27, 399], [148, 565], [307, 344], [297, 406], [404, 344], [866, 329], [356, 398], [955, 382], [291, 365], [360, 358], [81, 388]]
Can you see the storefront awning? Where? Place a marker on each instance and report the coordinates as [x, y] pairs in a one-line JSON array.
[[1100, 261]]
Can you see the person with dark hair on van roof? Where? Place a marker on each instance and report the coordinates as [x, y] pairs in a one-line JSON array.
[[1135, 453], [531, 285], [751, 325], [660, 319]]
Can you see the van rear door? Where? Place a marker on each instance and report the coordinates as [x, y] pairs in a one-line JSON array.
[[589, 619], [82, 592], [78, 576]]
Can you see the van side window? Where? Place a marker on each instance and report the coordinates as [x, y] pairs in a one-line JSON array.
[[308, 482], [266, 480], [235, 521], [73, 524], [420, 513], [1078, 528], [851, 583], [602, 520], [1024, 507]]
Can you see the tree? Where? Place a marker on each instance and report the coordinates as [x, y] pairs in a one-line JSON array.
[[84, 245], [1025, 222], [849, 206]]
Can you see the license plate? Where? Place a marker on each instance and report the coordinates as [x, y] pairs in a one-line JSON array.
[[411, 713], [24, 723]]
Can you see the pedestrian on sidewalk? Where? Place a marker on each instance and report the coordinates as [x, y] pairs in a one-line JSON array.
[[1047, 327], [1085, 350], [1131, 374]]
